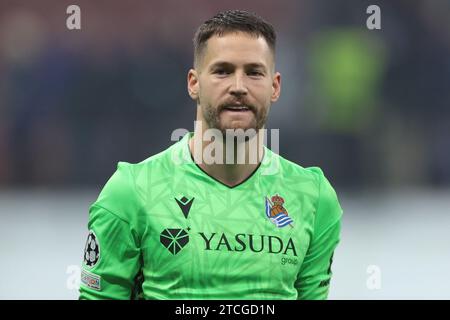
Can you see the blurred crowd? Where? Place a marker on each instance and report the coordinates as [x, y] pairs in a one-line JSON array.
[[370, 107]]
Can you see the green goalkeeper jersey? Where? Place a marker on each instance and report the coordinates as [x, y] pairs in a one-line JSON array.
[[164, 229]]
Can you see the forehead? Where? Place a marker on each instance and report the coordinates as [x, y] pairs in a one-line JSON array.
[[237, 48]]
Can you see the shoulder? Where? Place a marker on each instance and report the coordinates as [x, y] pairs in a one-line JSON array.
[[292, 170], [118, 194], [124, 192], [315, 182]]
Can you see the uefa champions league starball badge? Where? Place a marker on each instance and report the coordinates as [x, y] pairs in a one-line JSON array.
[[91, 250]]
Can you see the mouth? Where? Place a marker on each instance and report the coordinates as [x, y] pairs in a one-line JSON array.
[[237, 108]]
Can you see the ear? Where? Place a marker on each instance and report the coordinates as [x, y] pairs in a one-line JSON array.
[[192, 84], [276, 87]]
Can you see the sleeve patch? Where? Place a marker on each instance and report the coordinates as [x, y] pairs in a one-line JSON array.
[[90, 280], [91, 250]]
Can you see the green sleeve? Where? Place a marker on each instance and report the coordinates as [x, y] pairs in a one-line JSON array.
[[315, 273], [109, 271]]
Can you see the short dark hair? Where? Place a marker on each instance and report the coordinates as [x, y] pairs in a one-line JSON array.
[[233, 21]]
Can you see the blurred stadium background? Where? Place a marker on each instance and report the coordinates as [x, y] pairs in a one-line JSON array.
[[371, 108]]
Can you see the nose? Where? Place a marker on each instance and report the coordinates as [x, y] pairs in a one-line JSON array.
[[238, 88]]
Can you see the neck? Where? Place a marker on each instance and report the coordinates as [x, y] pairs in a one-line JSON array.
[[230, 160]]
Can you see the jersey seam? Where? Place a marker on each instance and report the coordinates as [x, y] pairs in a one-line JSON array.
[[134, 188], [112, 213], [328, 228], [317, 211], [318, 199], [120, 219]]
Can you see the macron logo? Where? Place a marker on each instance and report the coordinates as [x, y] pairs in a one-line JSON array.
[[185, 205]]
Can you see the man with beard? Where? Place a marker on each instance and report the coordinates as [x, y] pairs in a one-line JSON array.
[[194, 222]]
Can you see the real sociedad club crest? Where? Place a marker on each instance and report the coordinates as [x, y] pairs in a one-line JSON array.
[[277, 213]]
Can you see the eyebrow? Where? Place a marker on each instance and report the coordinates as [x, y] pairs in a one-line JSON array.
[[225, 64]]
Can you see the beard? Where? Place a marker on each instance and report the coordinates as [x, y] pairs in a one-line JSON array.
[[212, 116]]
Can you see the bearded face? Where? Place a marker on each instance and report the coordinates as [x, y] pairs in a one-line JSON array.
[[235, 84]]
